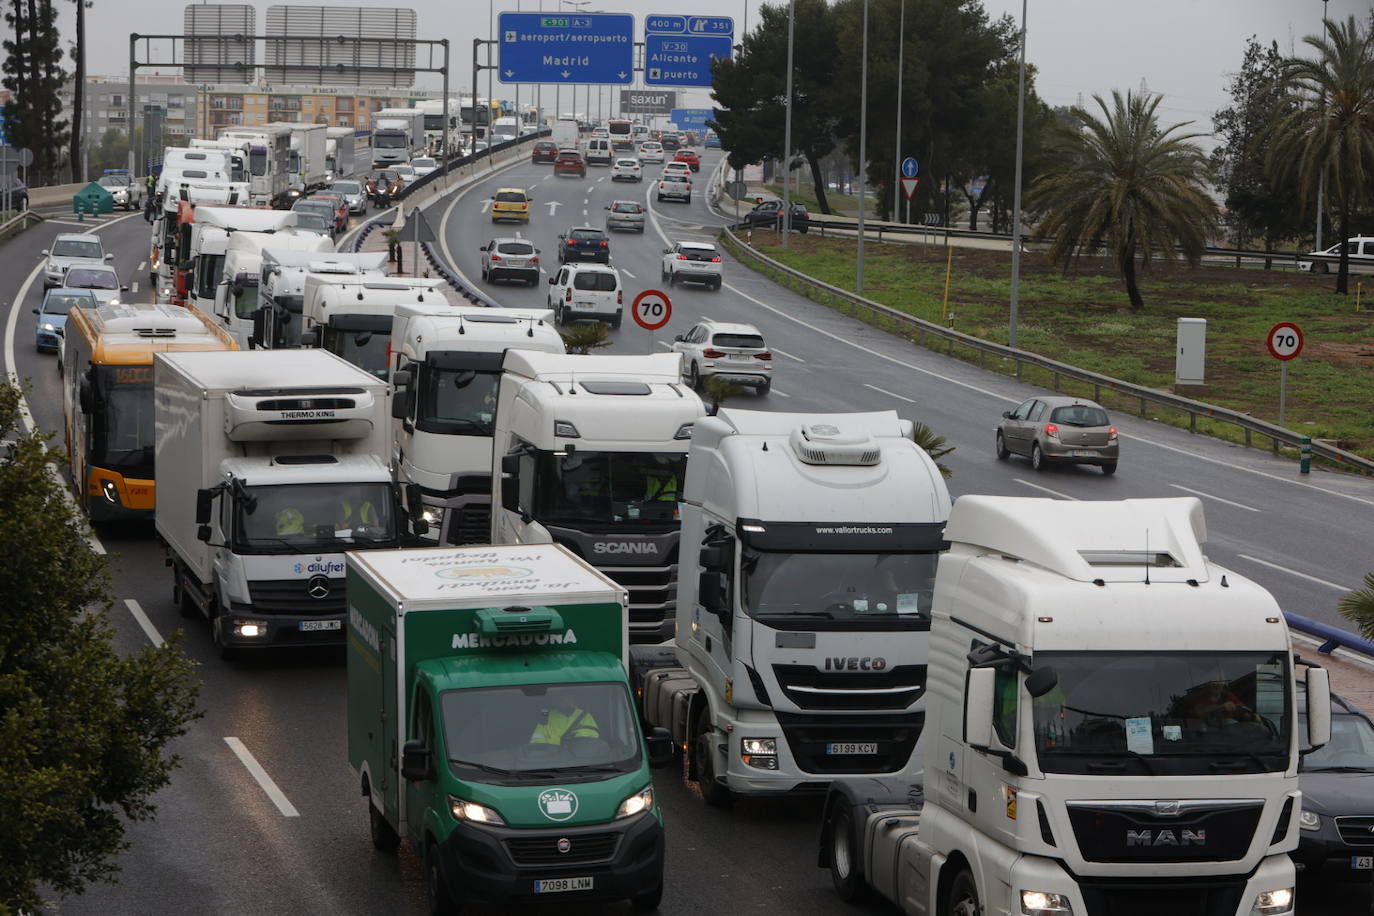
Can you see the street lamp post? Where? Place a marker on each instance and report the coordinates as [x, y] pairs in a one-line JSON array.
[[787, 129], [863, 153], [1016, 192], [897, 145]]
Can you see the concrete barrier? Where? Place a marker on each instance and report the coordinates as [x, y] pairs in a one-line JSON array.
[[55, 195]]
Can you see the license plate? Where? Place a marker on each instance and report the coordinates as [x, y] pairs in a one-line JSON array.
[[741, 357], [1362, 863], [559, 885], [309, 625], [852, 747], [515, 262], [1083, 453]]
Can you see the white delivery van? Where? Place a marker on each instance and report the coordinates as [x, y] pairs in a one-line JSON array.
[[586, 291]]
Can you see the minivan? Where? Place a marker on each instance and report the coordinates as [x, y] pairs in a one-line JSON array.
[[586, 291], [599, 150]]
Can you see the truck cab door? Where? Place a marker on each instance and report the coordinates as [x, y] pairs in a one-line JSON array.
[[420, 795], [713, 613]]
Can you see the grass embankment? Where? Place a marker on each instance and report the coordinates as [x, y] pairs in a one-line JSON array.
[[1081, 317]]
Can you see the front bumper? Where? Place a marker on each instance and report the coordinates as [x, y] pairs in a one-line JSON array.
[[277, 630], [481, 864], [1322, 849], [47, 340]]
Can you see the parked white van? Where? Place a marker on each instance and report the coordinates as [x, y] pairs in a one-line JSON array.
[[586, 291]]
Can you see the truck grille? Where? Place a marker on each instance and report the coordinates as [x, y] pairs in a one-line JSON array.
[[653, 591], [543, 850], [810, 688], [1177, 897], [292, 596], [470, 524], [1356, 831], [808, 736], [1133, 832]]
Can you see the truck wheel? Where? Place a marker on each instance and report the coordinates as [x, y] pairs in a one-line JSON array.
[[647, 903], [963, 896], [441, 902], [845, 873], [384, 836], [712, 792]]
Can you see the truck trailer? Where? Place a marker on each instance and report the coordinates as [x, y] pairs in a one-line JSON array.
[[808, 554], [340, 152], [1111, 727], [490, 724], [446, 376], [271, 465]]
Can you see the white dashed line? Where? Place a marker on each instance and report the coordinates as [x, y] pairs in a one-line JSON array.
[[1210, 496], [255, 770], [891, 394], [1294, 572], [149, 630], [1036, 486], [627, 273], [133, 287], [142, 266], [780, 393], [788, 355]]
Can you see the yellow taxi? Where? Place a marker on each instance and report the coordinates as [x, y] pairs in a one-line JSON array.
[[510, 203]]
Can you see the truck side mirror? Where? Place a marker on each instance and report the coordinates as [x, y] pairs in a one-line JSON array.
[[203, 533], [510, 494], [416, 760], [1041, 681], [978, 700], [309, 338], [205, 500], [259, 335], [709, 593], [714, 558], [1318, 707], [400, 404], [660, 743]]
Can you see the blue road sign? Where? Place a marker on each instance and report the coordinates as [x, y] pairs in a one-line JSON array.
[[678, 50], [691, 118], [909, 167], [566, 48]]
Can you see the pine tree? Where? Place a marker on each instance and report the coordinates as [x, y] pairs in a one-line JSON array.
[[34, 76]]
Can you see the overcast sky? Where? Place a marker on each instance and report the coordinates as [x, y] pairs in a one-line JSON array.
[[1185, 49]]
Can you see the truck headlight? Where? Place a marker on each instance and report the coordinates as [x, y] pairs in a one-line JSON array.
[[641, 801], [433, 514], [472, 812], [1273, 903], [1043, 903], [760, 753], [249, 629], [1309, 820]]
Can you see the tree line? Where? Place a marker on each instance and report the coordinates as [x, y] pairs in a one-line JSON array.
[[1100, 178], [34, 75]]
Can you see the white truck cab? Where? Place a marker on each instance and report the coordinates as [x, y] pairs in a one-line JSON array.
[[237, 300], [591, 453], [446, 375], [350, 314], [281, 294]]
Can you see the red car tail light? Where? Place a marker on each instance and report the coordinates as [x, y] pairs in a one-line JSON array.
[[716, 259], [682, 257], [1111, 433], [496, 257], [571, 243], [712, 353], [764, 355], [619, 297], [1052, 431], [567, 296], [603, 243]]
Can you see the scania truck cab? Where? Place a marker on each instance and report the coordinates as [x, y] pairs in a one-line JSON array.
[[591, 453], [446, 364]]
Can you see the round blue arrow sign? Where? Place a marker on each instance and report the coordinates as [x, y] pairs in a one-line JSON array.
[[909, 167]]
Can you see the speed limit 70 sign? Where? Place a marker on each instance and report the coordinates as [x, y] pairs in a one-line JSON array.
[[651, 309], [1285, 340]]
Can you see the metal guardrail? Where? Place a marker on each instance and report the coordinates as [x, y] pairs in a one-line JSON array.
[[19, 220], [985, 348], [1332, 637]]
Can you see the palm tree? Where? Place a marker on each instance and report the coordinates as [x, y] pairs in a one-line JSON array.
[[585, 336], [1125, 184], [1331, 132], [933, 445], [1358, 607]]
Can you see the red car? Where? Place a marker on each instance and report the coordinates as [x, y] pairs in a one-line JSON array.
[[544, 151], [690, 157], [570, 162]]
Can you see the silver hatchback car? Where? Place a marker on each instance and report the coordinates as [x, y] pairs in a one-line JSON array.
[[1059, 430], [625, 214]]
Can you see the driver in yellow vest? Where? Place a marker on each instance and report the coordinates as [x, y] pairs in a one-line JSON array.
[[565, 720], [365, 517]]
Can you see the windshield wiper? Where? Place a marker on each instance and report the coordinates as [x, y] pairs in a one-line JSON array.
[[588, 768], [292, 548], [791, 615], [487, 769], [1337, 770]]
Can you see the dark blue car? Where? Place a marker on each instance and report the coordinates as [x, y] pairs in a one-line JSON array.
[[52, 314]]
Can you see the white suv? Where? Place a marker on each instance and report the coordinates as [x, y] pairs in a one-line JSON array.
[[731, 351], [72, 249], [696, 262], [586, 291]]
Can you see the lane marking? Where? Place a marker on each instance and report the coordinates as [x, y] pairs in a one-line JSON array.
[[149, 630], [1210, 496], [779, 392], [663, 344], [142, 266], [1036, 486], [133, 287], [255, 770], [788, 355], [627, 273], [1294, 572], [891, 394]]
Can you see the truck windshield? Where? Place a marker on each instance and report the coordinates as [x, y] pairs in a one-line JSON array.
[[540, 733], [257, 160], [609, 488], [389, 140], [365, 349], [1169, 712], [457, 402], [122, 422], [876, 588], [434, 122], [300, 518]]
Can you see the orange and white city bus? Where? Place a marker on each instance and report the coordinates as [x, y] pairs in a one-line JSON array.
[[107, 398]]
